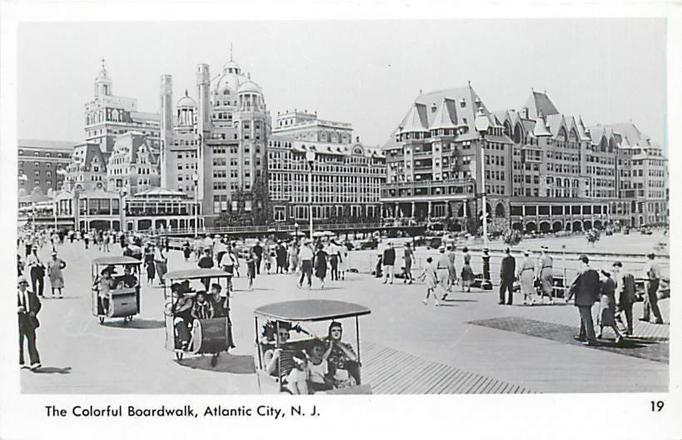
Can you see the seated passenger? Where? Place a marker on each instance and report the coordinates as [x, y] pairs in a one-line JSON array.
[[343, 362], [318, 368], [104, 285], [297, 379], [127, 279], [272, 354], [218, 301], [181, 309], [202, 308]]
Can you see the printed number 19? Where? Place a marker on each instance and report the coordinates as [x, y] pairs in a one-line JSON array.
[[656, 405]]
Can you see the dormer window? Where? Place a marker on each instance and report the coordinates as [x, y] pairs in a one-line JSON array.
[[462, 103]]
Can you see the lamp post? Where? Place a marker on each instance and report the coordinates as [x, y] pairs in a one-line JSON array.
[[482, 123], [122, 208], [195, 178], [61, 172], [310, 158], [296, 231]]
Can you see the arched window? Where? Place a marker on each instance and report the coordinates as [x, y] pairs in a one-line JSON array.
[[499, 210]]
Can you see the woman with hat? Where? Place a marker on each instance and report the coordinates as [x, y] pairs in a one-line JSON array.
[[546, 275], [526, 276], [607, 306], [54, 273]]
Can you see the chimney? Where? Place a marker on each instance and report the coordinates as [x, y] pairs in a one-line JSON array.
[[524, 112]]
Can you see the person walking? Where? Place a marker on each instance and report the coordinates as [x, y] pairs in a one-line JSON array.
[[292, 257], [54, 272], [161, 264], [344, 262], [652, 273], [442, 272], [388, 261], [321, 259], [625, 294], [86, 239], [149, 263], [430, 275], [206, 262], [281, 252], [28, 306], [258, 252], [607, 306], [408, 257], [586, 289], [545, 275], [507, 274], [467, 274], [305, 256], [452, 270], [333, 251], [36, 270], [526, 276]]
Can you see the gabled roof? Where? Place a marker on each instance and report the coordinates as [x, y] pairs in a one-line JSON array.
[[130, 143], [555, 123], [540, 129], [91, 152], [443, 118], [414, 121], [539, 104]]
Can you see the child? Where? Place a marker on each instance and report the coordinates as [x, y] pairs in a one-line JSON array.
[[431, 278], [202, 309], [251, 268], [297, 377], [318, 368]]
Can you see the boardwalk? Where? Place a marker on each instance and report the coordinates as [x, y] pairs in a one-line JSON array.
[[390, 371]]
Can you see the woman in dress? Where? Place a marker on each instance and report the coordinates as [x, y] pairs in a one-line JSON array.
[[607, 306], [344, 367], [54, 273], [467, 272], [321, 258], [526, 277], [149, 263]]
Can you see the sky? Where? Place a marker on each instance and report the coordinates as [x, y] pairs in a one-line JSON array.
[[364, 72]]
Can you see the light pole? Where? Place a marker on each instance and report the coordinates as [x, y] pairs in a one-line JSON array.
[[296, 231], [122, 208], [310, 158], [195, 178], [482, 123]]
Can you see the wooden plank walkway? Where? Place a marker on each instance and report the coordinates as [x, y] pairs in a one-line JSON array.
[[390, 371]]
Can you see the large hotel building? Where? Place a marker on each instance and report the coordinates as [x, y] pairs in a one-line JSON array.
[[220, 158], [346, 175], [544, 170]]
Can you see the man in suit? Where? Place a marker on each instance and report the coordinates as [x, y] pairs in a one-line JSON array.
[[507, 273], [625, 290], [585, 288], [28, 308]]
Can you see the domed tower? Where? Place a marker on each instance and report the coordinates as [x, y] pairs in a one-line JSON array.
[[186, 111], [103, 82]]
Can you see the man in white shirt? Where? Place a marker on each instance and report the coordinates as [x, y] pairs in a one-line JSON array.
[[305, 256]]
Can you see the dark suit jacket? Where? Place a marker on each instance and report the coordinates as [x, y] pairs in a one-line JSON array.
[[586, 288], [508, 268], [30, 319]]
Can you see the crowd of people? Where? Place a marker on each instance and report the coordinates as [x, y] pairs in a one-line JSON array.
[[614, 288], [322, 259]]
